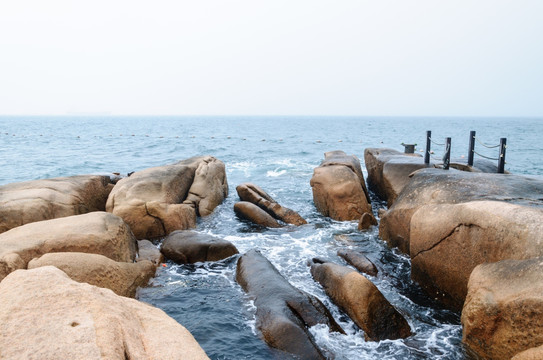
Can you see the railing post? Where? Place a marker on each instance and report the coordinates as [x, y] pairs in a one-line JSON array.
[[471, 147], [427, 154], [447, 156], [501, 159]]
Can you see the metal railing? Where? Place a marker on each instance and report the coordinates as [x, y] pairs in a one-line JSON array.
[[446, 154]]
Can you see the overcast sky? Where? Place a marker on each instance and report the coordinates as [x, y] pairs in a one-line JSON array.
[[251, 57]]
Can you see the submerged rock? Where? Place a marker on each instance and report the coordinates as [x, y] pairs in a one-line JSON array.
[[250, 212], [254, 194], [159, 200], [188, 247], [359, 261], [362, 301], [503, 313], [283, 313], [339, 190], [37, 200], [46, 315], [97, 232]]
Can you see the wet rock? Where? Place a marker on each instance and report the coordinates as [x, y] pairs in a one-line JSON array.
[[250, 212], [450, 240], [366, 221], [97, 232], [188, 247], [435, 186], [159, 200], [283, 312], [339, 190], [46, 315], [254, 194], [37, 200], [362, 301], [121, 277], [148, 251], [503, 313], [359, 261]]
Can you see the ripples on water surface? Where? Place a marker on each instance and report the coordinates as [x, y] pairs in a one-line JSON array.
[[279, 155]]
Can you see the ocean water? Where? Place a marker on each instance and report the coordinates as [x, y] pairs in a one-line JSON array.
[[278, 154]]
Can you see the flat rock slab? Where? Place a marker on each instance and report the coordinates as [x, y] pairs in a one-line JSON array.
[[254, 194], [121, 277], [97, 232], [188, 247], [30, 201], [159, 200], [284, 312], [503, 313], [362, 301], [46, 315], [339, 190], [248, 211]]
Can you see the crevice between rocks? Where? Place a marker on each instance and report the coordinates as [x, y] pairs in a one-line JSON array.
[[157, 218]]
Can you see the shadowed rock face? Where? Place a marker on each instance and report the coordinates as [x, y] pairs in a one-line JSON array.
[[188, 247], [503, 313], [359, 261], [338, 187], [159, 200], [97, 232], [250, 212], [148, 251], [79, 321], [283, 312], [254, 194], [121, 277], [435, 186], [37, 200], [362, 301]]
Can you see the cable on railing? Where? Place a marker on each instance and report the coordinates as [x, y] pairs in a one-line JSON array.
[[436, 143], [485, 145], [486, 157]]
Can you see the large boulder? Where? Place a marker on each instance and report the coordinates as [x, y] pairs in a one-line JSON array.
[[121, 277], [46, 315], [362, 301], [359, 261], [530, 354], [37, 200], [254, 194], [435, 186], [188, 247], [283, 312], [503, 313], [248, 211], [159, 200], [449, 240], [339, 190], [97, 232]]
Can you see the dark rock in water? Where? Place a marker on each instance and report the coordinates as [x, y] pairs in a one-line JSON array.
[[188, 247], [339, 190], [503, 313], [148, 251], [249, 211], [366, 221], [283, 312], [254, 194], [359, 261], [362, 301]]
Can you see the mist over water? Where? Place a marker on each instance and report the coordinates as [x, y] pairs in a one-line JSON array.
[[278, 154]]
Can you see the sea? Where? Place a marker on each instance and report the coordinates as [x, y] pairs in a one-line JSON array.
[[277, 153]]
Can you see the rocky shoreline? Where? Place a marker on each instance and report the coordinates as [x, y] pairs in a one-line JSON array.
[[474, 239]]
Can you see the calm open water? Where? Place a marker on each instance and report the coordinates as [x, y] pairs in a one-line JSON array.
[[278, 154]]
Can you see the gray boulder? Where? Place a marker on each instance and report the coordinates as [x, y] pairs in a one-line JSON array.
[[188, 247]]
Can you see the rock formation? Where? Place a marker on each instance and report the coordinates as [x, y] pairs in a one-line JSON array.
[[148, 251], [251, 212], [359, 261], [188, 247]]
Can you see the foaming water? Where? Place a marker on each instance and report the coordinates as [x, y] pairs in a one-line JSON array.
[[279, 155]]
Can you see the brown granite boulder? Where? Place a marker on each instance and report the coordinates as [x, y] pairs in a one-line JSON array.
[[254, 194], [362, 301], [30, 201], [530, 354], [503, 313], [251, 212], [283, 313], [148, 251], [159, 200], [359, 261], [436, 186], [367, 221], [449, 240], [339, 190], [46, 315], [188, 247], [121, 277], [97, 232]]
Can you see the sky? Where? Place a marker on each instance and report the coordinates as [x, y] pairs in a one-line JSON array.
[[256, 57]]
